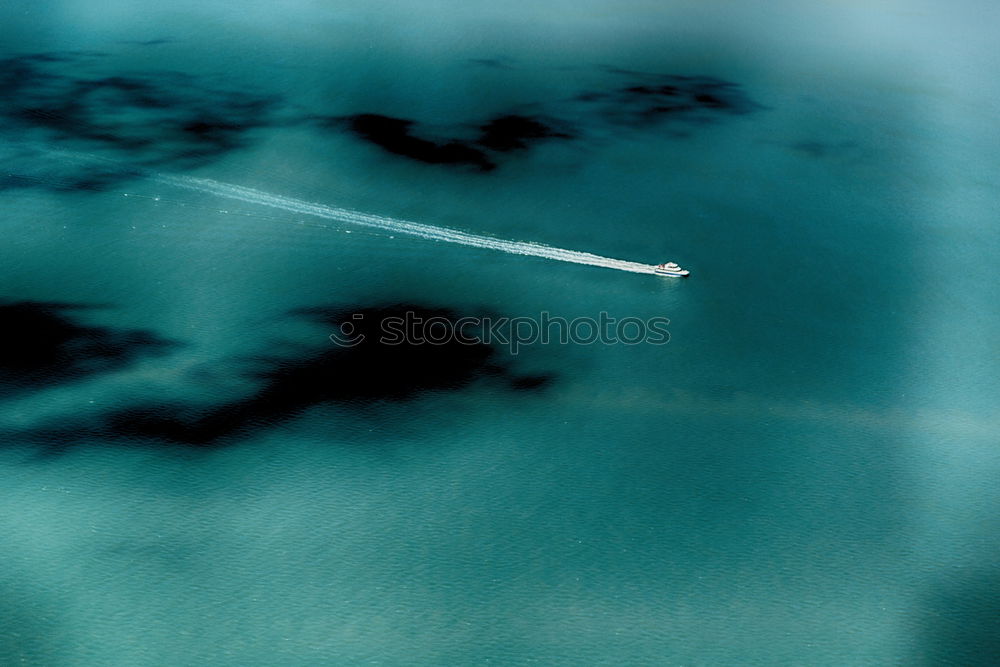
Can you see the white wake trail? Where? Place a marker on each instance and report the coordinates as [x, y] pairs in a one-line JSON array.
[[343, 215]]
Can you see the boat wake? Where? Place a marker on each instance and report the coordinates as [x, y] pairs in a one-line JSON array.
[[358, 218], [430, 232]]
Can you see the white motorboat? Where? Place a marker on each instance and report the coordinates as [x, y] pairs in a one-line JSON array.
[[671, 269]]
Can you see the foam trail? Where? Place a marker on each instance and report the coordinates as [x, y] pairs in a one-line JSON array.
[[251, 196]]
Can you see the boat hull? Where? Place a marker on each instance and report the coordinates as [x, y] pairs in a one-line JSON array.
[[672, 274]]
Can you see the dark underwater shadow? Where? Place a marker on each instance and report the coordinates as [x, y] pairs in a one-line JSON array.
[[153, 119], [378, 367], [178, 121], [960, 622], [43, 344], [501, 134], [642, 101]]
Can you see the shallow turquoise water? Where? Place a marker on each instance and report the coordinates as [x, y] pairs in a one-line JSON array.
[[804, 474]]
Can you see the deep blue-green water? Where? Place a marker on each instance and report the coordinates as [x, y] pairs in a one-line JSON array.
[[193, 473]]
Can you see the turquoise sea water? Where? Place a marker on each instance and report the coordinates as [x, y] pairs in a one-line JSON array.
[[804, 474]]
